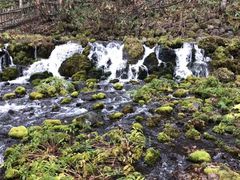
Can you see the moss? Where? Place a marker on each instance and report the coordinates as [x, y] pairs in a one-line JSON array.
[[99, 96], [224, 75], [220, 129], [20, 90], [52, 122], [151, 156], [137, 126], [98, 105], [9, 73], [11, 174], [171, 131], [139, 118], [66, 100], [193, 134], [199, 156], [36, 95], [222, 171], [79, 76], [18, 132], [163, 137], [74, 94], [127, 109], [118, 86], [208, 136], [134, 49], [116, 115], [180, 93], [164, 110], [9, 96]]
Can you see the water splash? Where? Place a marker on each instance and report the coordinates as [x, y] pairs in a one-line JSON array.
[[53, 63]]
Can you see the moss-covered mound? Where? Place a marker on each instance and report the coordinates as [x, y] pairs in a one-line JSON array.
[[56, 151], [9, 73]]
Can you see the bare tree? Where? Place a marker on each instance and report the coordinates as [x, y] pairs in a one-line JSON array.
[[223, 5]]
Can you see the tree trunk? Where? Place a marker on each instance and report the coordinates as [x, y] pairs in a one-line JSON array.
[[223, 5], [20, 3]]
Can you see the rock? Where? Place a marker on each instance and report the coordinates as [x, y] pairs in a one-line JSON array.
[[224, 75], [193, 134], [74, 64], [151, 62], [36, 95], [116, 115], [52, 122], [99, 96], [142, 73], [20, 90], [134, 49], [66, 100], [9, 96], [40, 75], [199, 156], [151, 156], [74, 94], [118, 86], [18, 132], [164, 110], [180, 93], [9, 73], [127, 109], [98, 105], [163, 137]]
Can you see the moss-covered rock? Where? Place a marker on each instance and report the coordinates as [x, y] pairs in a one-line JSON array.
[[20, 90], [134, 49], [66, 100], [18, 132], [76, 63], [99, 96], [127, 109], [11, 174], [52, 122], [8, 96], [137, 126], [171, 130], [39, 76], [193, 134], [180, 93], [9, 73], [98, 105], [118, 86], [151, 156], [164, 110], [199, 156], [163, 137], [116, 115], [224, 75], [36, 95], [74, 94], [222, 171]]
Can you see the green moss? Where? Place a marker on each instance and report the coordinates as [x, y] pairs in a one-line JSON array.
[[163, 137], [98, 105], [164, 110], [137, 126], [208, 136], [52, 122], [118, 86], [36, 95], [18, 132], [66, 100], [171, 131], [224, 75], [9, 73], [139, 118], [99, 96], [20, 90], [79, 76], [116, 115], [180, 93], [9, 96], [222, 171], [151, 156], [11, 174], [199, 156], [193, 134], [74, 94], [134, 49], [220, 129]]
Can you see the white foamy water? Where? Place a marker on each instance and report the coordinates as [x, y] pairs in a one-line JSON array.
[[53, 63], [6, 107]]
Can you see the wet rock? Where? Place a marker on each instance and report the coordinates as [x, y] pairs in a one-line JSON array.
[[142, 73], [40, 75], [151, 62]]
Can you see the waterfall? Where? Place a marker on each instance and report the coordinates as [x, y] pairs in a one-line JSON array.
[[110, 56], [53, 63], [5, 59]]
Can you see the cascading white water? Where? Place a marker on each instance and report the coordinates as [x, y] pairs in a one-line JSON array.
[[5, 58], [190, 55], [53, 63]]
